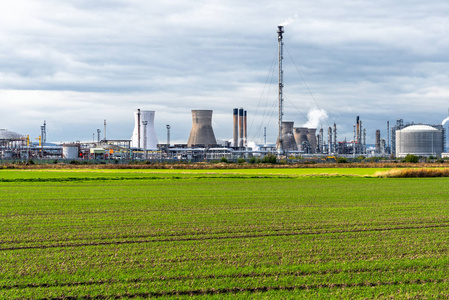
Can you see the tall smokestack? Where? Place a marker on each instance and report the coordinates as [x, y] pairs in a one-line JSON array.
[[364, 141], [377, 144], [335, 138], [236, 127], [201, 132], [388, 135], [138, 128], [241, 127], [329, 140], [245, 129]]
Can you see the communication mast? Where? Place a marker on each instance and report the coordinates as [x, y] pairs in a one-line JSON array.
[[281, 85]]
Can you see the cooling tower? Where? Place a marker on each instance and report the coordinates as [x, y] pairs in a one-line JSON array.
[[311, 136], [304, 135], [288, 138], [142, 131], [301, 136], [202, 132]]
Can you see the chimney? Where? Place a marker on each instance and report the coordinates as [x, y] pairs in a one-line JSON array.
[[236, 127], [241, 127], [245, 129]]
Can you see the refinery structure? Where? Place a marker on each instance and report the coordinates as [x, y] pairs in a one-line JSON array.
[[292, 142]]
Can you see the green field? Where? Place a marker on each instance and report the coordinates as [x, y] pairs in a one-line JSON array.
[[265, 233]]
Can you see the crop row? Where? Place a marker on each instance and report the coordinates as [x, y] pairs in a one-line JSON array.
[[224, 237]]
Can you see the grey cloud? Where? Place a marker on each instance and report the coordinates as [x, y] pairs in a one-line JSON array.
[[379, 60]]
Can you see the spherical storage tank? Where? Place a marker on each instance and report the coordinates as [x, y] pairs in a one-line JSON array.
[[420, 140]]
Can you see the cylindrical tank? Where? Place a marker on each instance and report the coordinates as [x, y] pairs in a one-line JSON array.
[[420, 140], [142, 117], [288, 138], [70, 151], [201, 132]]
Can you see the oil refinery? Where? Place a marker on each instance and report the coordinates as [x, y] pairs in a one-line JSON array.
[[292, 142]]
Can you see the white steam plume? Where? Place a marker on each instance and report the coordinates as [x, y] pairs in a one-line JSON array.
[[253, 146], [315, 117], [444, 121], [289, 20]]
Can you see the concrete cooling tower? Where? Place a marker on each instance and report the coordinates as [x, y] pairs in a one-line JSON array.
[[144, 134], [311, 136], [305, 136], [202, 132], [288, 138], [301, 136]]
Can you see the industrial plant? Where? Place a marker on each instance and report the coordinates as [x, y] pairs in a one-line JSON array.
[[292, 142]]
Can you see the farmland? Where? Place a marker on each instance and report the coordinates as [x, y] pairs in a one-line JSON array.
[[290, 233]]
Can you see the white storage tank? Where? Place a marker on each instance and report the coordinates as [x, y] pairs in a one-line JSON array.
[[420, 140], [70, 151]]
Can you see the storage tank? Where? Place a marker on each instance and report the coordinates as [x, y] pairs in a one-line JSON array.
[[9, 135], [70, 151], [420, 140]]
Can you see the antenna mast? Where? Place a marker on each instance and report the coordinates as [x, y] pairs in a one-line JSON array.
[[281, 85]]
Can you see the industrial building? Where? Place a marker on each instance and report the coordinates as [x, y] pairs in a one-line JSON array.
[[417, 139]]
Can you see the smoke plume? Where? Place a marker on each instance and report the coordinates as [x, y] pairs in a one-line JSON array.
[[289, 20], [444, 121], [315, 117]]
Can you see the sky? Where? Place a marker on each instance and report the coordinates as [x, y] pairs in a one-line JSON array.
[[75, 63]]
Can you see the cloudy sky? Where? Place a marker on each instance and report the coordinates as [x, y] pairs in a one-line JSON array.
[[75, 63]]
